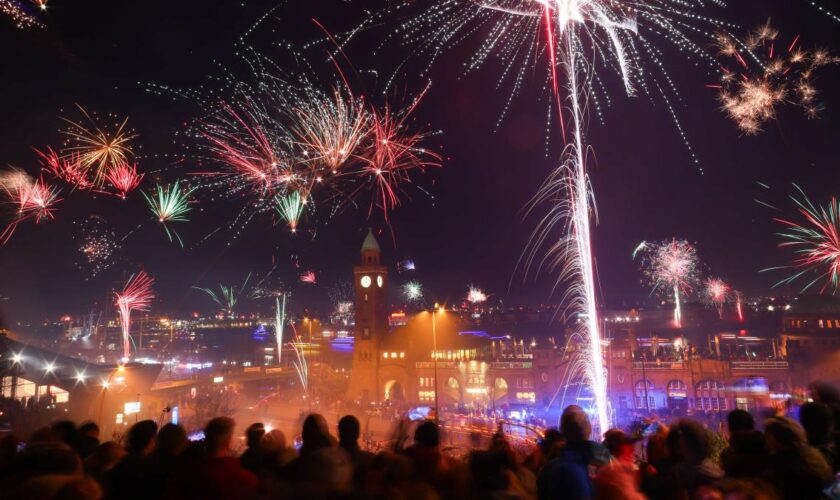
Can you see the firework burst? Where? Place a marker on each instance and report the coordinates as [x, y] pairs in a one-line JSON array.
[[412, 291], [281, 144], [96, 147], [476, 295], [762, 73], [290, 208], [33, 199], [815, 242], [671, 269], [170, 204], [717, 293], [137, 295], [228, 296], [124, 178], [98, 245]]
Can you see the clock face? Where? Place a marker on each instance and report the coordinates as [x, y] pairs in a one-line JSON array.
[[379, 281], [365, 281]]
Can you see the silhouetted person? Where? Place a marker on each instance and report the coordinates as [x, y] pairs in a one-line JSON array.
[[218, 475], [349, 431], [567, 475], [250, 458], [818, 422], [166, 458], [746, 455], [130, 478], [87, 439], [796, 469], [689, 443]]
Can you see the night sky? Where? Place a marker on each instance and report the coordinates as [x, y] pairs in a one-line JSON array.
[[103, 54]]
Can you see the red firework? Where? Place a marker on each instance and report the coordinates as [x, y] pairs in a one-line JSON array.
[[136, 296], [35, 200], [124, 177], [308, 277], [67, 168], [392, 155]]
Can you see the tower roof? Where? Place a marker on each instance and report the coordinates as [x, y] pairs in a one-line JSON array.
[[370, 244]]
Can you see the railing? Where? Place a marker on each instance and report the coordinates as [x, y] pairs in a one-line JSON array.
[[760, 365], [506, 365]]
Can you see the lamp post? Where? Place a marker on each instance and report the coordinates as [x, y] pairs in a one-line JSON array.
[[435, 311]]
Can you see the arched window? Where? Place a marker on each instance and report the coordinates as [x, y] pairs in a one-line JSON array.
[[644, 389], [677, 389], [710, 395]]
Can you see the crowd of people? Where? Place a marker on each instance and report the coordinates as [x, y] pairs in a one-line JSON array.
[[775, 459]]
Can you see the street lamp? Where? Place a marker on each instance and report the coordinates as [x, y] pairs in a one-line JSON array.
[[437, 310]]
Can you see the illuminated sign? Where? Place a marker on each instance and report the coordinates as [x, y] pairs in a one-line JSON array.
[[132, 407]]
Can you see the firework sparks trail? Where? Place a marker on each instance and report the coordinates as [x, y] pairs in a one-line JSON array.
[[301, 365], [476, 295], [718, 292], [575, 37], [67, 168], [18, 15], [406, 265], [815, 242], [34, 200], [279, 322], [124, 178], [137, 295], [766, 76], [412, 291], [739, 300], [228, 296], [670, 268], [170, 204], [280, 145], [95, 147], [290, 208], [309, 277]]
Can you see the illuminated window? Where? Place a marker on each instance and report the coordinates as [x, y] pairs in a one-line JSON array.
[[402, 355]]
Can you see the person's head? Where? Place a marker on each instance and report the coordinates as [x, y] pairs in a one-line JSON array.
[[273, 442], [488, 469], [315, 430], [44, 458], [141, 437], [817, 420], [218, 434], [348, 430], [740, 420], [89, 429], [427, 435], [171, 440], [574, 424], [65, 431], [783, 434], [823, 392], [253, 434], [621, 445], [552, 441], [691, 439]]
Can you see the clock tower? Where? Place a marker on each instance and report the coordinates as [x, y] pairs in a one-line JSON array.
[[370, 280]]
